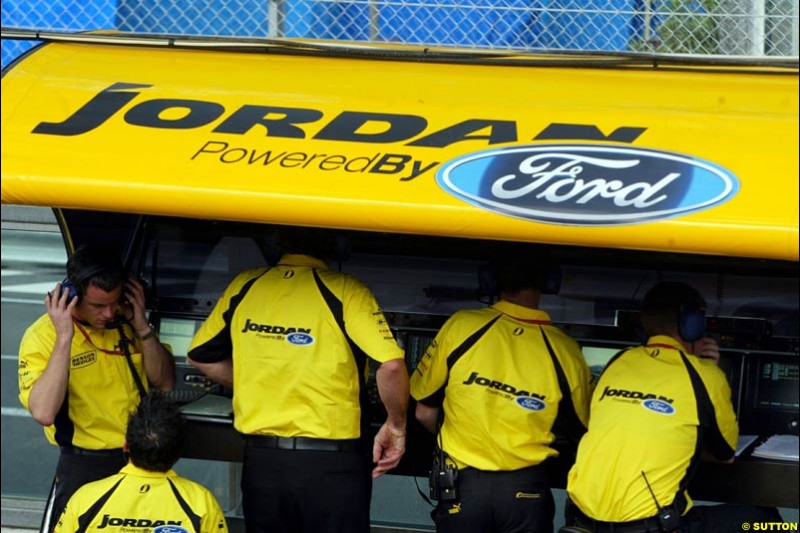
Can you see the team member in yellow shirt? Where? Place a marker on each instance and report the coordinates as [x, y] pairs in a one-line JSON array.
[[75, 377], [147, 493], [655, 410], [502, 378], [293, 341]]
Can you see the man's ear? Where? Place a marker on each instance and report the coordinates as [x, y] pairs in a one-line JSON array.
[[125, 448]]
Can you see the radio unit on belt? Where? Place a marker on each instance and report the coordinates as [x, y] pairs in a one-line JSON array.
[[669, 519], [443, 478]]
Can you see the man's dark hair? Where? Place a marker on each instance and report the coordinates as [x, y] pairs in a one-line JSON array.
[[663, 305], [155, 433], [519, 271], [316, 242], [92, 265]]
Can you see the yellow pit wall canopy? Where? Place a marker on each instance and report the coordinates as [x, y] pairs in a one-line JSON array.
[[689, 160]]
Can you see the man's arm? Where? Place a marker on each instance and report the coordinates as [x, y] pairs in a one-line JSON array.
[[211, 349], [427, 415], [220, 372], [390, 442], [572, 416], [48, 393], [159, 366], [720, 427]]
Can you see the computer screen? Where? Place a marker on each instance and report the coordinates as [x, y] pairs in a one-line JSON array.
[[416, 344], [777, 385], [597, 357], [178, 333]]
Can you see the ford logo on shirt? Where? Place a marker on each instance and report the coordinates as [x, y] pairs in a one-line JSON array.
[[170, 529], [587, 185], [659, 406], [300, 339], [531, 404]]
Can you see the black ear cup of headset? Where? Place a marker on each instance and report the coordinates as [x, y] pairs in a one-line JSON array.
[[692, 324], [74, 292], [74, 287]]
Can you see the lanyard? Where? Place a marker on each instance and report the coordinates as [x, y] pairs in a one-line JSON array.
[[668, 346], [89, 340], [124, 344], [532, 321]]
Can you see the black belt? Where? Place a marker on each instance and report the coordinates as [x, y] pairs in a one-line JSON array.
[[300, 443], [74, 450], [645, 525], [536, 473]]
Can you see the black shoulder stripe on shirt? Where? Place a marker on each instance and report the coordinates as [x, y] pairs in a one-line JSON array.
[[709, 435], [712, 435], [615, 357], [567, 421], [468, 343], [437, 398], [434, 400], [194, 518], [86, 518], [219, 347], [337, 310], [334, 304]]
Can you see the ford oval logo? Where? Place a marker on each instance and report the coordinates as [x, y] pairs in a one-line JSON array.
[[170, 529], [531, 404], [300, 339], [659, 406], [587, 185]]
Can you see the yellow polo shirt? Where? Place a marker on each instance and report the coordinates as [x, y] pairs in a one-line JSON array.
[[502, 394], [299, 335], [652, 408], [101, 392], [139, 500]]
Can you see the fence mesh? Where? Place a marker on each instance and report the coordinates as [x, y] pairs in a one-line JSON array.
[[755, 28]]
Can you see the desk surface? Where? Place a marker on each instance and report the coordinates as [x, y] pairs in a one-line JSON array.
[[748, 480]]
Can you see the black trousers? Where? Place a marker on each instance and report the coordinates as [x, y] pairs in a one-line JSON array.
[[294, 491], [518, 501], [74, 470]]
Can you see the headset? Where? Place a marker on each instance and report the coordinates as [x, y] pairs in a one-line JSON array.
[[75, 286], [691, 323], [676, 299], [549, 282]]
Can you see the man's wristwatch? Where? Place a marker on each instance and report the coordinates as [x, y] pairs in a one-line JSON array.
[[150, 334]]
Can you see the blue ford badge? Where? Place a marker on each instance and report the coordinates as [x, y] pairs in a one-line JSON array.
[[169, 528], [587, 185], [531, 404], [301, 339], [659, 406]]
